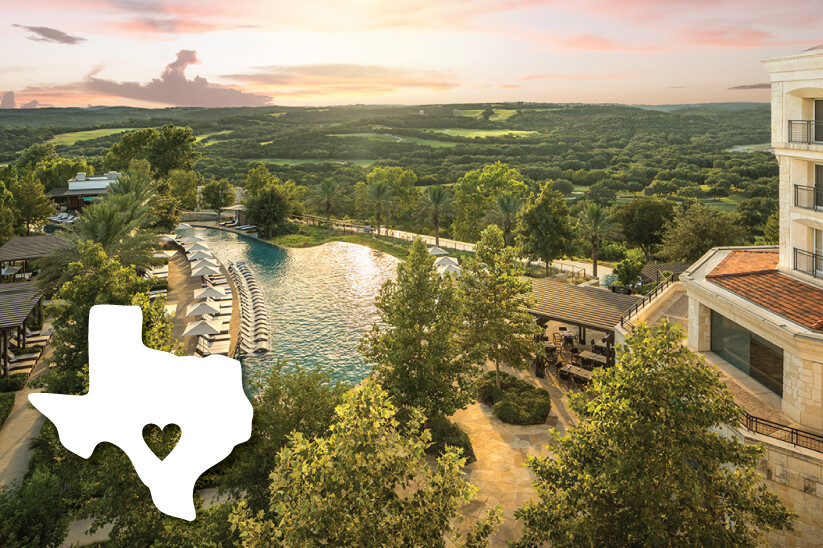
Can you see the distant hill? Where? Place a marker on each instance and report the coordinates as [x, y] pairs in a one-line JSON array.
[[700, 106]]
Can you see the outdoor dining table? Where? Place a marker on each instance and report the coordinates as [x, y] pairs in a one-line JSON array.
[[592, 357], [577, 371], [601, 349]]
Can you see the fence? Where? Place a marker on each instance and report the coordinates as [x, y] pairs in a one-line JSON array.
[[795, 436], [648, 298]]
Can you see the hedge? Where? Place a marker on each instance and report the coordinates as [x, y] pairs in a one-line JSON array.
[[6, 403], [13, 383], [444, 432], [516, 401]]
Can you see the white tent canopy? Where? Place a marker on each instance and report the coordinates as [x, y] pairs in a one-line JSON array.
[[437, 252], [449, 269], [196, 247], [200, 255], [204, 262], [443, 261], [191, 240], [169, 237], [202, 327], [204, 307], [205, 271], [208, 293]]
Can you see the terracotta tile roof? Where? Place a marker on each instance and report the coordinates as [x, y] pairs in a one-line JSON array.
[[753, 275]]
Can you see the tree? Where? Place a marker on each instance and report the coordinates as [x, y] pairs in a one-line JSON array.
[[258, 178], [35, 154], [168, 149], [55, 172], [34, 514], [133, 145], [497, 326], [771, 233], [596, 224], [327, 195], [217, 194], [7, 214], [754, 212], [544, 231], [697, 229], [415, 346], [647, 464], [183, 186], [31, 203], [504, 212], [95, 278], [401, 184], [628, 270], [642, 221], [474, 195], [367, 483], [437, 203], [378, 196], [301, 400], [600, 194], [268, 207]]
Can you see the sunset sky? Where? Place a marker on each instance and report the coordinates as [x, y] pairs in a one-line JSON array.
[[316, 52]]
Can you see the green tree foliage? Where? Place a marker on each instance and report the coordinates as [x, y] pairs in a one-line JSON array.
[[8, 214], [415, 346], [647, 464], [628, 270], [268, 207], [327, 195], [257, 179], [377, 196], [55, 172], [475, 193], [596, 224], [437, 203], [285, 401], [642, 222], [217, 195], [167, 149], [544, 231], [755, 212], [600, 194], [401, 183], [505, 208], [35, 154], [771, 234], [34, 514], [367, 483], [495, 297], [697, 229], [133, 145], [157, 324], [31, 204], [95, 278], [183, 186]]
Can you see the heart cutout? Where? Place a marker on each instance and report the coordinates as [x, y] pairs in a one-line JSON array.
[[161, 441]]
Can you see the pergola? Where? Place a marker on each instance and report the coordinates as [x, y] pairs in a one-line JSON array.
[[29, 248], [18, 301], [585, 307]]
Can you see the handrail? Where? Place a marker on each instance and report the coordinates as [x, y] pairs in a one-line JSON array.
[[648, 298], [808, 197], [805, 131], [782, 432]]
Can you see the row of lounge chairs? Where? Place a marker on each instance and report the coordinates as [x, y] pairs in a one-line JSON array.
[[235, 225], [255, 326], [218, 343], [21, 361], [63, 218]]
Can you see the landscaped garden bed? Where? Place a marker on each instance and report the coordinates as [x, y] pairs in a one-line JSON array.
[[6, 403], [516, 401]]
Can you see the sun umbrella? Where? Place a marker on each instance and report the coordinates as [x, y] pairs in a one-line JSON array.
[[205, 271], [437, 252], [198, 309], [202, 327], [191, 240], [443, 261], [204, 262], [208, 293], [166, 253], [197, 246], [449, 269], [169, 237], [200, 255]]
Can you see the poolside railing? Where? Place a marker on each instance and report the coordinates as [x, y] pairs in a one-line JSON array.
[[645, 301]]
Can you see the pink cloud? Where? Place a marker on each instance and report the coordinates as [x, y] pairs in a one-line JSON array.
[[736, 37], [576, 77]]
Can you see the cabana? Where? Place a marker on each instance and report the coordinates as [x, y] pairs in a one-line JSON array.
[[18, 300], [25, 249]]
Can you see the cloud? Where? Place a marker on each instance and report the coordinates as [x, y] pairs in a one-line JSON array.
[[173, 88], [48, 34], [8, 100], [735, 37], [330, 79], [576, 77], [764, 85], [31, 104]]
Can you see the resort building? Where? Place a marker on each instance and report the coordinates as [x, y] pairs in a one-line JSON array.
[[83, 189], [757, 312]]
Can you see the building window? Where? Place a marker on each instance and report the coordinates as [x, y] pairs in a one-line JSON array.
[[749, 352]]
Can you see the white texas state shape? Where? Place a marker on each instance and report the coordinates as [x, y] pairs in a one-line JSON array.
[[131, 386]]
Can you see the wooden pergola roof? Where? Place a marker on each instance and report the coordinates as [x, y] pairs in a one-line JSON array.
[[583, 306], [26, 248], [18, 300]]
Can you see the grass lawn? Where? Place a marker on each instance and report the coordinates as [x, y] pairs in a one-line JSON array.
[[295, 161], [482, 133], [387, 138], [204, 136], [71, 138], [310, 236], [275, 114]]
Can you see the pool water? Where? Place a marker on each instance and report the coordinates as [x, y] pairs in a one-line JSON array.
[[320, 299]]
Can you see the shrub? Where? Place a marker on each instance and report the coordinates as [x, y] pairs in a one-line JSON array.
[[445, 432], [157, 283], [31, 349], [516, 401], [285, 228], [6, 403], [13, 382]]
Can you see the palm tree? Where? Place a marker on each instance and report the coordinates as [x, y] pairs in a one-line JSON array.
[[379, 196], [328, 193], [436, 202], [596, 224], [504, 213], [115, 224]]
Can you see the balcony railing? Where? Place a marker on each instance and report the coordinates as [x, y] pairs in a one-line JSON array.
[[808, 197], [795, 436], [808, 263], [805, 131]]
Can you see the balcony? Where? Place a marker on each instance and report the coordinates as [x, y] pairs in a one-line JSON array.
[[805, 131], [808, 263], [808, 197]]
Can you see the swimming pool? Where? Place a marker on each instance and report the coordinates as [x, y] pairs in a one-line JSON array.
[[321, 299]]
